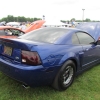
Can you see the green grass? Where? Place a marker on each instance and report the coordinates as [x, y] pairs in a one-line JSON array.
[[85, 87]]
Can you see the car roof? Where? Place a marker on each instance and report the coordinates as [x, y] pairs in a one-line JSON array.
[[61, 38]]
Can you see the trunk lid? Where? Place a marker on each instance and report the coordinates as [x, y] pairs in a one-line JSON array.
[[10, 49]]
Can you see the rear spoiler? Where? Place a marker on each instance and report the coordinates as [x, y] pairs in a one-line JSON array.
[[16, 43]]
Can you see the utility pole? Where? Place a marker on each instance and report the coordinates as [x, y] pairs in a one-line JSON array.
[[83, 15]]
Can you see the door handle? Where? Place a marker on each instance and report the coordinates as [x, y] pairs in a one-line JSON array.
[[86, 49]]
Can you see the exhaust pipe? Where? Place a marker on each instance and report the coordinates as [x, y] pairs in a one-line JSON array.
[[26, 86]]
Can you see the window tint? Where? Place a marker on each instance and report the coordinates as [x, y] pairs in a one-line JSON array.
[[49, 35], [75, 39], [84, 38]]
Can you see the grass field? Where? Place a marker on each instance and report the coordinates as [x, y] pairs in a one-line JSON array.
[[85, 87]]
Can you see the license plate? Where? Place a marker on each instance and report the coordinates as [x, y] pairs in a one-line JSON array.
[[7, 50]]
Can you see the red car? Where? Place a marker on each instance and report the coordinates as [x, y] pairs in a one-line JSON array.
[[35, 25], [10, 32]]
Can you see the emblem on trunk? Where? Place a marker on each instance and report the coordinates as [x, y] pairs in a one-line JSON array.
[[16, 57]]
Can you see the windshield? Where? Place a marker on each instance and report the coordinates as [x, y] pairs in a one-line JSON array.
[[49, 35]]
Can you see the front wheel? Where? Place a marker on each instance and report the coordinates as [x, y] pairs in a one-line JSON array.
[[65, 76]]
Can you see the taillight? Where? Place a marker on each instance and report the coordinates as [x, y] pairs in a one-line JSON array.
[[30, 58]]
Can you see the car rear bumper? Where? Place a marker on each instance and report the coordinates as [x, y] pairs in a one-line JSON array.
[[29, 75]]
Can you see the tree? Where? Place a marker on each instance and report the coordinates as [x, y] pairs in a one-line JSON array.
[[36, 19], [87, 20], [64, 21], [11, 18], [72, 19], [78, 20]]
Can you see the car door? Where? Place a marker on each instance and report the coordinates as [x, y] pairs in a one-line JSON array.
[[91, 51]]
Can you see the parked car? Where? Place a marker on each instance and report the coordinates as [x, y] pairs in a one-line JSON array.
[[10, 32], [49, 56], [14, 24], [13, 32]]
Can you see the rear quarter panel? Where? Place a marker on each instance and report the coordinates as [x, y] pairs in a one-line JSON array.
[[56, 55]]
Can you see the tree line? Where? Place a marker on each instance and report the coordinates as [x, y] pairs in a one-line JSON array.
[[11, 18], [86, 20]]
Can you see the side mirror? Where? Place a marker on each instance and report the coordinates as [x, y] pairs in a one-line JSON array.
[[98, 42]]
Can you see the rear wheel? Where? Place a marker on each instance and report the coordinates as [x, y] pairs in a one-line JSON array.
[[65, 76]]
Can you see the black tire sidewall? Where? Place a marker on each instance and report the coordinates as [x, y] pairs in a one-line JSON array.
[[62, 70]]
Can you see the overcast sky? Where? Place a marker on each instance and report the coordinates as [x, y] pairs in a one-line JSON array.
[[57, 9]]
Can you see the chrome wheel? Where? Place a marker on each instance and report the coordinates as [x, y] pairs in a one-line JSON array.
[[65, 76], [68, 74]]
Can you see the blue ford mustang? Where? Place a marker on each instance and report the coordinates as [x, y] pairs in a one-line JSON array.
[[49, 56]]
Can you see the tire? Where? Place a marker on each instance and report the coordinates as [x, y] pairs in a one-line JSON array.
[[65, 76]]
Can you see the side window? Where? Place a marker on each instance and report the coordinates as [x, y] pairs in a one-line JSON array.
[[84, 38], [75, 39], [8, 32], [2, 32], [17, 32]]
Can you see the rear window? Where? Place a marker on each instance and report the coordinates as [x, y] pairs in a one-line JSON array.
[[49, 35]]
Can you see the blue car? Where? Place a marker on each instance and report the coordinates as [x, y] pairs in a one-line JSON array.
[[49, 56]]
